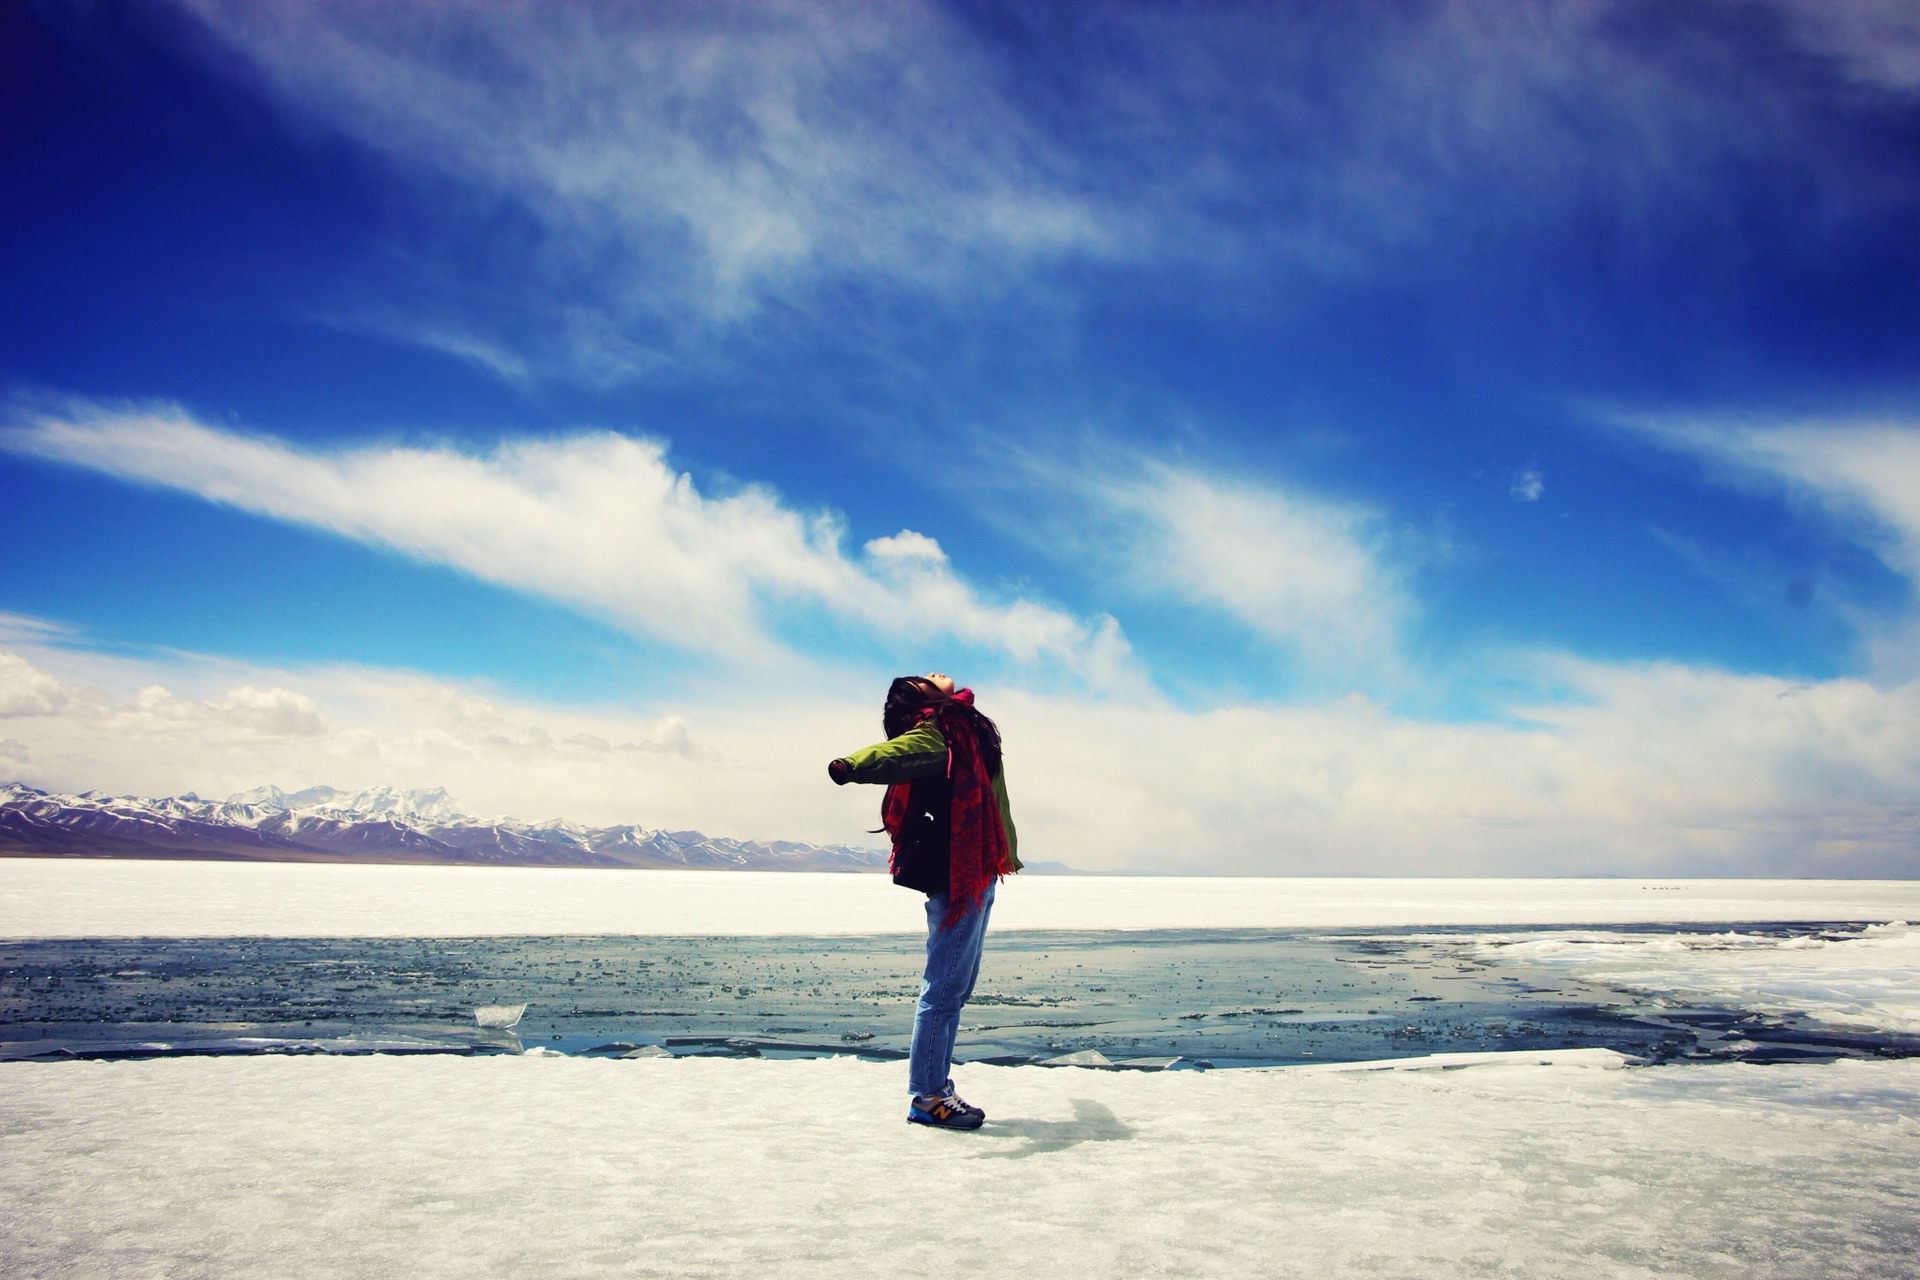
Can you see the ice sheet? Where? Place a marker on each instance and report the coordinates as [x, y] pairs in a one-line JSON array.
[[426, 1168], [1869, 980], [65, 898]]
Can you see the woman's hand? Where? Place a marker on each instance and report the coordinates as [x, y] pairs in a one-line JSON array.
[[840, 771]]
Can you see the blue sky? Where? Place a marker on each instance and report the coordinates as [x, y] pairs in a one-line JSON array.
[[1496, 408]]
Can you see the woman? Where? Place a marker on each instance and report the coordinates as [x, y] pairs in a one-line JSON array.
[[953, 838]]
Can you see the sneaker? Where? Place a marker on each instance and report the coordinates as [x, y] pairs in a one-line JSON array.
[[961, 1105], [944, 1111], [946, 1091]]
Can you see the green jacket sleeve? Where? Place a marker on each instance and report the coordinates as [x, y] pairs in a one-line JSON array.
[[920, 752], [1006, 817]]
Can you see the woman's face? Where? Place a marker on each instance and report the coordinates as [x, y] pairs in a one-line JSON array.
[[941, 681]]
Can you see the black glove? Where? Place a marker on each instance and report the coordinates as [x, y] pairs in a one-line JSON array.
[[840, 771]]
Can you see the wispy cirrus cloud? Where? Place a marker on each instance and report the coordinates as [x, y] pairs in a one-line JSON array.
[[1858, 477], [683, 166], [706, 156], [598, 521], [1863, 473], [1876, 41]]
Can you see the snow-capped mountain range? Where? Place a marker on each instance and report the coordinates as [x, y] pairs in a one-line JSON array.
[[381, 824]]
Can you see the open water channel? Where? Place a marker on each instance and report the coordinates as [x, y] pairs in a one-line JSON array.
[[1152, 999]]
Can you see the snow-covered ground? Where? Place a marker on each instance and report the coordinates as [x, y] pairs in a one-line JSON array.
[[65, 898], [545, 1166]]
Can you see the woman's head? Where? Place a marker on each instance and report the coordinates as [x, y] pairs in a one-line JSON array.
[[909, 696]]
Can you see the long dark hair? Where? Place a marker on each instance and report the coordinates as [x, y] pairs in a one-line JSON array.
[[907, 696]]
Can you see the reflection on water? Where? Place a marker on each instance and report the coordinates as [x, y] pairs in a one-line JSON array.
[[1216, 997]]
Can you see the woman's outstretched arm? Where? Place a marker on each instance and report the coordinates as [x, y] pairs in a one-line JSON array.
[[920, 752]]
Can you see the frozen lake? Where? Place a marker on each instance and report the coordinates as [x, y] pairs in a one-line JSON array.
[[106, 957], [383, 1133], [69, 898]]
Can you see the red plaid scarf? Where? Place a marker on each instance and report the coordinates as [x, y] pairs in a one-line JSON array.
[[976, 840]]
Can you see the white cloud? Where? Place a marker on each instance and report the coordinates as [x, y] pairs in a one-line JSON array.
[[1863, 475], [1656, 769], [1306, 572], [244, 712], [1293, 567], [1528, 484], [1867, 474], [906, 545], [27, 692], [732, 768], [597, 521]]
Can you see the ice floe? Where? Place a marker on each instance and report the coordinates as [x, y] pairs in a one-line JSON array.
[[501, 1016], [1868, 979]]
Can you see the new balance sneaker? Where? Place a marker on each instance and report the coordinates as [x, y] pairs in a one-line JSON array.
[[946, 1091], [944, 1111]]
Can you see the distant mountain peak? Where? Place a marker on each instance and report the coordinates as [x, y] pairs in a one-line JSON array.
[[377, 824], [431, 804]]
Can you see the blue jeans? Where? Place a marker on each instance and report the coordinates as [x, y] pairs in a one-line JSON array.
[[953, 962]]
